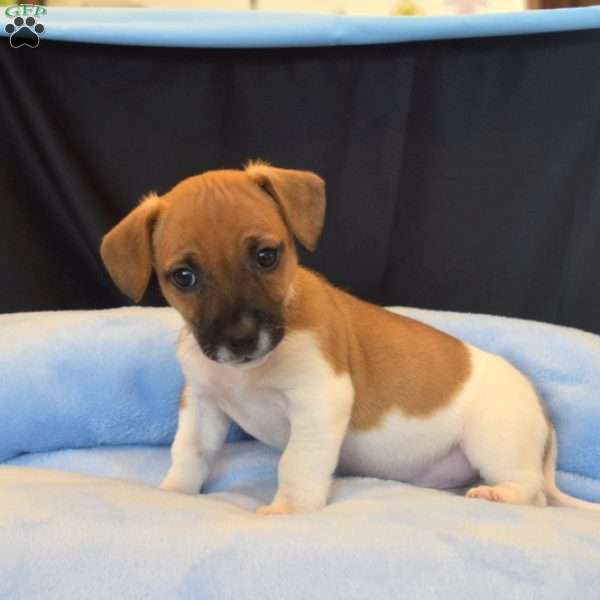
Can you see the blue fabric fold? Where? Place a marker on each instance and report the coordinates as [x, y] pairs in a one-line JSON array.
[[250, 29], [79, 379]]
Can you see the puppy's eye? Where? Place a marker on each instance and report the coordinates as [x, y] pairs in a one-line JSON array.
[[266, 258], [185, 278]]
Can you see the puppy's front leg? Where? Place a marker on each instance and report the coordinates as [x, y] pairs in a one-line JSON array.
[[317, 429], [201, 431]]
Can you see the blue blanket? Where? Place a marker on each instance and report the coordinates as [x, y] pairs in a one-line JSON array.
[[88, 403]]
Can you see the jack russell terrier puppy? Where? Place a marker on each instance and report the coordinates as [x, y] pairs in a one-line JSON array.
[[331, 380]]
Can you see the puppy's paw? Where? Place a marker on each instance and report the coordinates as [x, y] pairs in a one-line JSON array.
[[181, 486], [277, 507], [284, 506], [485, 492], [506, 493]]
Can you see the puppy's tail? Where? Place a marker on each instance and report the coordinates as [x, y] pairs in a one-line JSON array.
[[554, 495]]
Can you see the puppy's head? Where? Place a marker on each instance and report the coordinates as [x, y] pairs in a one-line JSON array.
[[222, 246]]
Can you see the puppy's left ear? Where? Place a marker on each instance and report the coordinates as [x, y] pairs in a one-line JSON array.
[[300, 196], [126, 249]]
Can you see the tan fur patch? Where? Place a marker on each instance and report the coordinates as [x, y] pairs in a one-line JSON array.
[[394, 362], [182, 399]]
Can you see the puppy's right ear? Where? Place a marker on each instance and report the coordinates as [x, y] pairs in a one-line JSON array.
[[300, 196], [126, 249]]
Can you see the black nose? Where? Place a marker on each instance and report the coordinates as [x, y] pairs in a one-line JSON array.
[[242, 345]]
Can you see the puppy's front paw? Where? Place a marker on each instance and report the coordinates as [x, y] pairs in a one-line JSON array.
[[282, 506], [277, 507], [176, 484]]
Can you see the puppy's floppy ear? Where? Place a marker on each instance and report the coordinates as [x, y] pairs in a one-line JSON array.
[[300, 196], [126, 249]]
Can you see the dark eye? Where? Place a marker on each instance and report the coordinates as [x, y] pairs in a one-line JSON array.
[[184, 278], [266, 258]]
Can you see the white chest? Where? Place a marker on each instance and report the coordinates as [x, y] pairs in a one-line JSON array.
[[254, 398], [261, 412]]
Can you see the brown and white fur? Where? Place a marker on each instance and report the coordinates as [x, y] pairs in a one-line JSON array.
[[331, 380]]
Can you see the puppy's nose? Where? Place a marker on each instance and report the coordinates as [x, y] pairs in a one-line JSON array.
[[241, 345]]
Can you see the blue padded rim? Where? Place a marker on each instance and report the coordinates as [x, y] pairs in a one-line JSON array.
[[204, 29]]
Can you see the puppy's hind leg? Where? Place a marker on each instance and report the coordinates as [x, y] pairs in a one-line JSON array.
[[505, 437]]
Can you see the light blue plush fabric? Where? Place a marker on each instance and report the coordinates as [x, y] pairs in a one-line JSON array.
[[84, 378], [69, 536], [262, 29], [94, 396]]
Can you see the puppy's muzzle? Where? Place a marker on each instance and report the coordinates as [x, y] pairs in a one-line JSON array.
[[242, 346], [242, 341]]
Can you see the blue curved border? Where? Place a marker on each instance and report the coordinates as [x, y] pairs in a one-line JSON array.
[[215, 29]]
